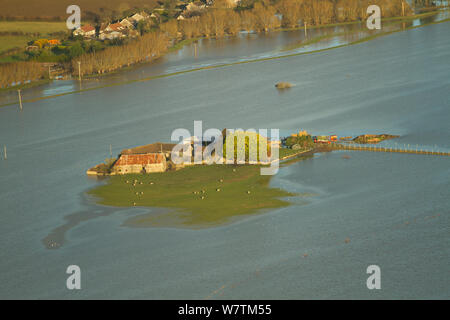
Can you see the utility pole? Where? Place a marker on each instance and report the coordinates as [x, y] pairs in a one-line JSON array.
[[79, 71], [403, 8], [306, 32], [5, 155], [20, 100]]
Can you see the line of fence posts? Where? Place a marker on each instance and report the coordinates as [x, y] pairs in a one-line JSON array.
[[396, 148]]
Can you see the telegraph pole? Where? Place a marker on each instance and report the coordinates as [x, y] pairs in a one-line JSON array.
[[306, 32], [20, 100]]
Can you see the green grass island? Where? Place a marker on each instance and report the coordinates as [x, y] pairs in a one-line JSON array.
[[198, 196]]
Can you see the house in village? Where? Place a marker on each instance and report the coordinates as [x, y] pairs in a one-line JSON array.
[[117, 27], [127, 23], [137, 17], [145, 159], [111, 35], [124, 28], [86, 31], [113, 31]]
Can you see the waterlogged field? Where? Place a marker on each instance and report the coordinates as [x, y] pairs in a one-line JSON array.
[[201, 195], [387, 209]]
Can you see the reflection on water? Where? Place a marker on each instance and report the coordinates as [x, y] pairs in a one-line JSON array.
[[393, 208], [211, 52]]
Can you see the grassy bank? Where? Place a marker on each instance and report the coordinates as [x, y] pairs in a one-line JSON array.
[[198, 195]]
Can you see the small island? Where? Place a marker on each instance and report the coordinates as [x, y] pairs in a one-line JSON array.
[[283, 85], [199, 195], [373, 138]]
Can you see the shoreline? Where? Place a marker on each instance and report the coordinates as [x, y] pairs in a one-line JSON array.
[[185, 42], [167, 75], [90, 172], [178, 45], [197, 196]]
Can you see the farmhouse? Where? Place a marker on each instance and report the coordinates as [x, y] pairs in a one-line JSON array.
[[144, 159]]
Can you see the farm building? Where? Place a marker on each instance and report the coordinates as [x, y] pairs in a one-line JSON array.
[[145, 159]]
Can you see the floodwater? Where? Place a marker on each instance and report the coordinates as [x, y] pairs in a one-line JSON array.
[[385, 209], [213, 52]]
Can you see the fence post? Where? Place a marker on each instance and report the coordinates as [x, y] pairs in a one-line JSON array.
[[20, 100], [79, 71]]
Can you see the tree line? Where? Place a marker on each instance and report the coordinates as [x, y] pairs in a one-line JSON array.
[[217, 21], [267, 15], [19, 72], [147, 48]]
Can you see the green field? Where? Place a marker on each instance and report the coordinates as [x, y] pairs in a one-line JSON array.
[[44, 28], [56, 9], [13, 42], [192, 194], [29, 29]]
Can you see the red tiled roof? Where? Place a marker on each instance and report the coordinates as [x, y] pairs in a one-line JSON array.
[[87, 28], [115, 26], [140, 159]]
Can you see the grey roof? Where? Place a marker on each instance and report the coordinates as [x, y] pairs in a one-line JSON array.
[[151, 148]]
